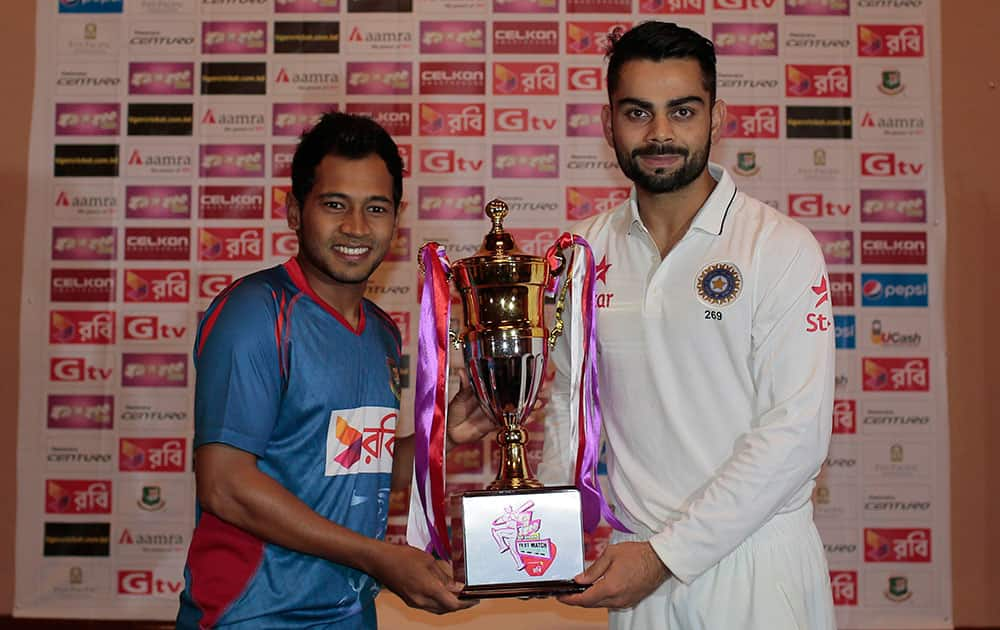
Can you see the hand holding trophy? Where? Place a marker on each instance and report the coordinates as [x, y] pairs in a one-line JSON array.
[[516, 537]]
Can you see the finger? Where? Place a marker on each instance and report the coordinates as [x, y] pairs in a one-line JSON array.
[[593, 597], [594, 572]]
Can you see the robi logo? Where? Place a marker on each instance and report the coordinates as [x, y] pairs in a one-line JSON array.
[[888, 165], [146, 583]]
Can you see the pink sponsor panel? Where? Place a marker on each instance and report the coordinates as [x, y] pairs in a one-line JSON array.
[[307, 6], [154, 369], [379, 77], [161, 78], [294, 119], [80, 411], [157, 202], [83, 243], [450, 202], [231, 160], [233, 38], [745, 38], [452, 37], [818, 7], [525, 6], [583, 120], [88, 119], [894, 206], [837, 246], [525, 160], [149, 243]]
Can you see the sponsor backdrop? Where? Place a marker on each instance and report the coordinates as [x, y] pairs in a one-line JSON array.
[[161, 146]]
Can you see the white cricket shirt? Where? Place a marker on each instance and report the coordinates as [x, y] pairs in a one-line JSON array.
[[716, 372]]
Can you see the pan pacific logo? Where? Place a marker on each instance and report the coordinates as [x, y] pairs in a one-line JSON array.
[[518, 534], [719, 284]]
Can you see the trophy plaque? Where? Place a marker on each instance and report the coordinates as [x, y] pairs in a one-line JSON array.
[[516, 537]]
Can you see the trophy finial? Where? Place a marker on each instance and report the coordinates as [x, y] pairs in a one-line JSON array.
[[497, 210]]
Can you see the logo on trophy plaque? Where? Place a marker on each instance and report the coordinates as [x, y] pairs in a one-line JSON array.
[[516, 537]]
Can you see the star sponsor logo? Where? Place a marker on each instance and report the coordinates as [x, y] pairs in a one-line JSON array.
[[81, 327], [81, 285], [157, 243], [752, 39], [233, 38], [452, 119], [818, 7], [672, 7], [897, 544], [525, 161], [157, 202], [88, 119], [235, 244], [80, 411], [379, 77], [894, 248], [152, 454], [360, 440], [78, 496], [231, 202], [896, 374], [165, 327], [592, 38], [307, 78], [890, 40], [160, 78], [79, 368], [156, 285], [452, 77]]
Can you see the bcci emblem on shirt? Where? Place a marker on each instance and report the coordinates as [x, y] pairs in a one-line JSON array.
[[719, 284]]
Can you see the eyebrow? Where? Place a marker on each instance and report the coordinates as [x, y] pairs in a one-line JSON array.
[[337, 195], [638, 102]]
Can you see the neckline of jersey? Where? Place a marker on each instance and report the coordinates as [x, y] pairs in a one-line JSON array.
[[299, 279]]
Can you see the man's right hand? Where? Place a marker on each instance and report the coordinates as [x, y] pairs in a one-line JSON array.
[[417, 578]]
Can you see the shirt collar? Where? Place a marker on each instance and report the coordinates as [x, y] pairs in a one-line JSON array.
[[711, 217]]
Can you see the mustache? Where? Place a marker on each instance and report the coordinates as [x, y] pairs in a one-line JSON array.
[[654, 149]]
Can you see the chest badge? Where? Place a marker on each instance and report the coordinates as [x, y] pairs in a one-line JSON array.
[[394, 381], [719, 283]]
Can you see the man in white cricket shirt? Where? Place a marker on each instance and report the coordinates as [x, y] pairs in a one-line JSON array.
[[716, 362]]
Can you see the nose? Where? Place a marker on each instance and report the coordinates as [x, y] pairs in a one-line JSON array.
[[355, 223], [660, 130]]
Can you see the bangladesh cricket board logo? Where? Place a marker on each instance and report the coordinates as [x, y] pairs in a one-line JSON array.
[[152, 499], [518, 534]]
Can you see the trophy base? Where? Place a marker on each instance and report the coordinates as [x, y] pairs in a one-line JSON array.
[[517, 543]]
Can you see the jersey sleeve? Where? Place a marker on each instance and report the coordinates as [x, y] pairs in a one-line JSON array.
[[237, 360], [793, 371]]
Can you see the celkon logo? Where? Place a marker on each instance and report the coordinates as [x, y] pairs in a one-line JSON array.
[[584, 79], [447, 161], [145, 583], [525, 38], [814, 206], [77, 370], [888, 165], [520, 119], [150, 328], [212, 284], [452, 78]]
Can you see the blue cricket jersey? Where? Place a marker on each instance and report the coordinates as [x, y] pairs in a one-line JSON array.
[[282, 375]]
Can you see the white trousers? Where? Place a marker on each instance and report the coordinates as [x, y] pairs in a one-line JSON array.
[[777, 579]]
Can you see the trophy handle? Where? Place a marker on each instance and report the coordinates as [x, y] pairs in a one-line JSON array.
[[562, 268]]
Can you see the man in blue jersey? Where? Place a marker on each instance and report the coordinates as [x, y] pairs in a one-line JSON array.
[[296, 403]]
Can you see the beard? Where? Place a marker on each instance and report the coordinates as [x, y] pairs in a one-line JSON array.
[[660, 180]]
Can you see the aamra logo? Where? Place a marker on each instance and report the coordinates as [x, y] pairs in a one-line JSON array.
[[518, 534]]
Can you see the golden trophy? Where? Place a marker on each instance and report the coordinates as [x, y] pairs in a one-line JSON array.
[[516, 537]]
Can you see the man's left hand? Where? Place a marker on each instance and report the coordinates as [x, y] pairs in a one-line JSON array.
[[467, 422], [622, 577]]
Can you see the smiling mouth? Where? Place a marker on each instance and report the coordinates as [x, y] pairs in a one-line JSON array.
[[351, 251]]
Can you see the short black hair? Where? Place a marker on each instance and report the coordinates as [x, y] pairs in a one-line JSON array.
[[656, 41], [347, 136]]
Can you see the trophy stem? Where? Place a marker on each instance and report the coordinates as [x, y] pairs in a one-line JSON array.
[[513, 473]]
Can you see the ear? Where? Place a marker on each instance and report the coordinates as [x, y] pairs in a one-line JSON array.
[[718, 119], [609, 135], [294, 212]]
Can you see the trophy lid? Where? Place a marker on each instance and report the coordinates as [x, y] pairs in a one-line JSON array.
[[497, 243]]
